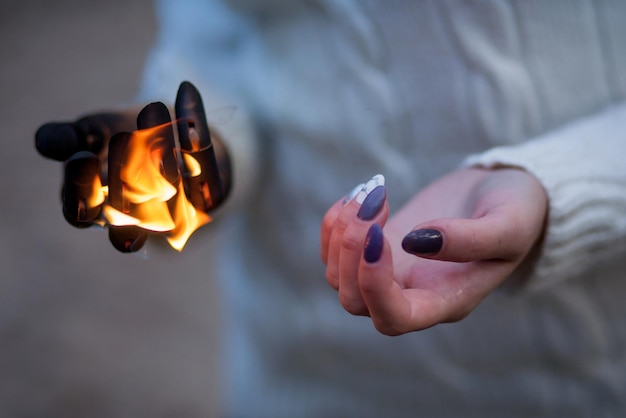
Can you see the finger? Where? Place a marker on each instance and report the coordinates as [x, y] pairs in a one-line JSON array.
[[157, 116], [57, 140], [328, 223], [373, 209], [345, 216], [96, 130], [124, 238], [383, 296], [204, 187], [495, 236], [60, 140], [329, 220], [327, 226], [393, 309], [82, 195]]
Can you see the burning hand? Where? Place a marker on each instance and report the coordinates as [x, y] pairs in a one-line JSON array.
[[138, 181]]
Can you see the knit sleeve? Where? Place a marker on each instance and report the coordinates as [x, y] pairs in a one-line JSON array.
[[582, 166]]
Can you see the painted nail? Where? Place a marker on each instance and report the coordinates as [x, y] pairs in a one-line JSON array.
[[374, 182], [373, 244], [423, 241], [353, 193], [372, 204]]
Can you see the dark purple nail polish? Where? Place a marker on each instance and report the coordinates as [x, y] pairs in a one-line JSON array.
[[423, 241], [372, 204], [373, 244]]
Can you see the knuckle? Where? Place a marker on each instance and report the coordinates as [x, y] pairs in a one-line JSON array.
[[352, 304], [329, 219], [352, 240], [475, 247], [369, 288], [341, 223], [513, 242]]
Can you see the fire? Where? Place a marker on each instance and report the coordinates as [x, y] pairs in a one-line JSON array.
[[98, 193], [149, 200]]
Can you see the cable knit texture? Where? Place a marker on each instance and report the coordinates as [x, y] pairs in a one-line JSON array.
[[582, 169]]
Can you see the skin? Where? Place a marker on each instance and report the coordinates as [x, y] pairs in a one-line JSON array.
[[490, 220]]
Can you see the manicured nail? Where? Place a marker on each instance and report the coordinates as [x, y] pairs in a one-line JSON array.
[[373, 244], [423, 241], [372, 204], [374, 182], [352, 194]]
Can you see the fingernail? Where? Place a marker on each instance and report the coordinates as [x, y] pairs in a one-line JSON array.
[[377, 180], [423, 241], [373, 244], [353, 193], [372, 204]]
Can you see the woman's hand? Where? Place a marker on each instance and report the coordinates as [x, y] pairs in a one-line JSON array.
[[440, 255]]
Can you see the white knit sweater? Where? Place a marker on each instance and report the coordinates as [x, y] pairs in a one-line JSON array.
[[339, 90]]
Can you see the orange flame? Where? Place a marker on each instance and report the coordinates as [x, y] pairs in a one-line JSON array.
[[151, 201]]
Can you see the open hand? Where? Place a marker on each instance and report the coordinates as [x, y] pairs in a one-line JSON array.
[[440, 255]]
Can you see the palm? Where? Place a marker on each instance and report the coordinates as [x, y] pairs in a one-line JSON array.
[[449, 287]]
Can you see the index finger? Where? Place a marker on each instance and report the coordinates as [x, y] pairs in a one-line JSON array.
[[393, 309]]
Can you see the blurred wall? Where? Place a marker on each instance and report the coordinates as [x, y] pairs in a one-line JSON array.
[[86, 331]]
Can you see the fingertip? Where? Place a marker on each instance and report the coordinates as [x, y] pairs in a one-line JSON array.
[[423, 241], [57, 141], [152, 115]]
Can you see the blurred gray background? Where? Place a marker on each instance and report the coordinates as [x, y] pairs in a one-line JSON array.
[[84, 330]]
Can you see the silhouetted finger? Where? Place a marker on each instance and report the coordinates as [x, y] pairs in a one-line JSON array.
[[155, 115], [96, 130], [57, 140], [60, 140], [82, 194], [204, 183], [124, 238]]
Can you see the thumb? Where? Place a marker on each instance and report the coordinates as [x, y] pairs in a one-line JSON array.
[[493, 236]]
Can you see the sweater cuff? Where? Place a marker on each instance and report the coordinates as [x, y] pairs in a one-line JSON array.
[[581, 165]]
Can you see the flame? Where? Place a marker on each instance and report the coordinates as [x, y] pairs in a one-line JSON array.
[[115, 217], [192, 165], [187, 220], [142, 171], [98, 192], [151, 202]]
